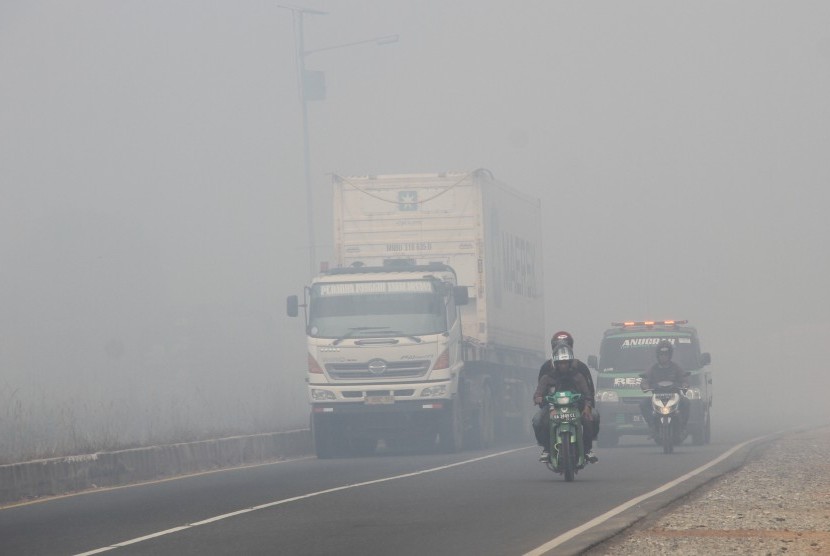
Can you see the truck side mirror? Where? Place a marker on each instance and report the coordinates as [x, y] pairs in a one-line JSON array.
[[461, 295], [291, 305], [705, 359], [592, 362]]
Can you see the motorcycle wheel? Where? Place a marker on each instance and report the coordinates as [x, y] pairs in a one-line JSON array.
[[666, 438], [566, 455]]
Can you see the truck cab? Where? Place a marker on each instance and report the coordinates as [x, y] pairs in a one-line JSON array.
[[627, 350], [384, 354]]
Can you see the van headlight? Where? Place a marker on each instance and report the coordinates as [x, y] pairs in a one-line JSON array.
[[437, 391], [322, 395], [607, 396]]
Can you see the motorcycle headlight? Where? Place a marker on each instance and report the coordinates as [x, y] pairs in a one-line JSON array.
[[665, 410], [607, 396], [563, 400]]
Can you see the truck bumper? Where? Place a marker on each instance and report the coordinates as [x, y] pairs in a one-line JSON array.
[[383, 417]]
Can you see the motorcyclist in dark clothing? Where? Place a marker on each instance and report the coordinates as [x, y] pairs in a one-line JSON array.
[[547, 367], [563, 375], [664, 369], [566, 337]]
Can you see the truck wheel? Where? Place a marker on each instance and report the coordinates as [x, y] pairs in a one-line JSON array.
[[484, 432], [324, 438], [451, 429]]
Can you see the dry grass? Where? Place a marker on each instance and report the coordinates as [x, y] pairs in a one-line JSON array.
[[47, 422]]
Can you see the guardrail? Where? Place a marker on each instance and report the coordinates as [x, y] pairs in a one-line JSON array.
[[54, 476]]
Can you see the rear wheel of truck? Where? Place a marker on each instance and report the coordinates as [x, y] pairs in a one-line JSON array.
[[451, 429]]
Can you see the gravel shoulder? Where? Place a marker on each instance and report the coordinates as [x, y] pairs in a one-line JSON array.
[[777, 503]]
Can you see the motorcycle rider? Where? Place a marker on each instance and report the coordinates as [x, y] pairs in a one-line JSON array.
[[547, 367], [566, 337], [664, 369], [563, 374]]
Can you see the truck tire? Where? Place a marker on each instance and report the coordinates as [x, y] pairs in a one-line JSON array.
[[325, 441], [451, 429], [484, 430]]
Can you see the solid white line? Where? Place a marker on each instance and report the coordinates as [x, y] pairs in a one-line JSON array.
[[564, 537], [95, 490], [294, 499]]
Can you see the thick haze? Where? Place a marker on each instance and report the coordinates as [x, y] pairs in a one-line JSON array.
[[152, 207]]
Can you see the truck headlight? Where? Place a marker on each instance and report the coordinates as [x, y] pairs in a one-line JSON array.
[[607, 396], [322, 395], [438, 391]]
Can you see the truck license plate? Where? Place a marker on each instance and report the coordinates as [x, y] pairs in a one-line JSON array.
[[379, 400]]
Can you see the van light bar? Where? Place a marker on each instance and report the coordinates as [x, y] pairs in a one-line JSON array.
[[649, 322]]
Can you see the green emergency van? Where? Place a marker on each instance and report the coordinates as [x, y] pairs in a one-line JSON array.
[[629, 349]]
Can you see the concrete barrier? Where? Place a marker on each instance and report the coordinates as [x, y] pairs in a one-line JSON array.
[[50, 477]]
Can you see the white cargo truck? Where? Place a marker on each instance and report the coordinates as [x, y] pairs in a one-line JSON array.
[[429, 330]]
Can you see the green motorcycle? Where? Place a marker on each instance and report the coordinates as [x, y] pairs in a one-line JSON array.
[[567, 455]]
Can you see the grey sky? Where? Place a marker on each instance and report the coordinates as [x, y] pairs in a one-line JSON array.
[[151, 172]]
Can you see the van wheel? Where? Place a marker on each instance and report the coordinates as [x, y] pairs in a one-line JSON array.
[[702, 433]]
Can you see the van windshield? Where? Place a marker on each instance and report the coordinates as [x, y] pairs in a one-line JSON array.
[[373, 309], [627, 354]]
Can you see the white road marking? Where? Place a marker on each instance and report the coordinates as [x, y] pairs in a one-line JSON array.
[[294, 499], [95, 490], [564, 537]]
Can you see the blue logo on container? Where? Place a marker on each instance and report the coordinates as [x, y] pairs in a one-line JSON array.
[[407, 200]]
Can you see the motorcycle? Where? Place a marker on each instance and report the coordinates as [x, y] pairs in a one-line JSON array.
[[566, 455], [665, 405]]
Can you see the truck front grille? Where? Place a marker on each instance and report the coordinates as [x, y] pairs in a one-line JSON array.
[[394, 369]]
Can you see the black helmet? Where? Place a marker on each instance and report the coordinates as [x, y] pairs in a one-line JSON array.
[[560, 337], [665, 347], [563, 352]]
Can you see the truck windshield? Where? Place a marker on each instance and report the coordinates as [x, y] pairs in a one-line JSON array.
[[376, 309], [627, 354]]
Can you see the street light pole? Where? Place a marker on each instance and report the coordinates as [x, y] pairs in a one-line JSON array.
[[315, 92], [300, 54]]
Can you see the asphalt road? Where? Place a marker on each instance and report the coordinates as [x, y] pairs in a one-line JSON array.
[[498, 501]]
